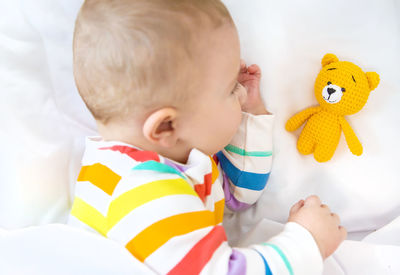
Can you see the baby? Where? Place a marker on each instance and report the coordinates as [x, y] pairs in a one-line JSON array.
[[183, 133]]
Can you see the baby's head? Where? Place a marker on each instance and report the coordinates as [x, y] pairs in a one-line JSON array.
[[160, 74]]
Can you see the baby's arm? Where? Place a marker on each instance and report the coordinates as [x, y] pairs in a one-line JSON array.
[[169, 229], [249, 77], [311, 235], [246, 161]]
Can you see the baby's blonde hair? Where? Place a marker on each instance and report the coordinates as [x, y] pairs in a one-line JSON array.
[[132, 55]]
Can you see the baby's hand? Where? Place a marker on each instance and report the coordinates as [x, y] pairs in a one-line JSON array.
[[320, 222], [249, 78]]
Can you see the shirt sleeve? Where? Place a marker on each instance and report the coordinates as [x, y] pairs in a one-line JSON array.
[[293, 251], [246, 161], [162, 222]]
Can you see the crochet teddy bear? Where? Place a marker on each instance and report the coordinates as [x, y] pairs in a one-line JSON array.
[[341, 88]]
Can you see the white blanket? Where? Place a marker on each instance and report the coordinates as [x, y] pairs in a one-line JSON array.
[[44, 123]]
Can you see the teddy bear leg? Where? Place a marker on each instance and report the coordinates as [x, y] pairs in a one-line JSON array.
[[305, 144], [324, 152]]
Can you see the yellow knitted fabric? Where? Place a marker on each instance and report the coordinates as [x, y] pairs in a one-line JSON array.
[[341, 88]]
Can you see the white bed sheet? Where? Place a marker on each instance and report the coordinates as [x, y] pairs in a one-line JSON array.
[[44, 122], [288, 40], [63, 250]]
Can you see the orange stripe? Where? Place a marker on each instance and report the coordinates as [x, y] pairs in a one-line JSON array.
[[214, 170], [154, 236], [100, 176], [219, 211], [195, 260]]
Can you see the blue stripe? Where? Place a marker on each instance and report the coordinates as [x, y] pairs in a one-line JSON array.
[[284, 259], [252, 181], [267, 269]]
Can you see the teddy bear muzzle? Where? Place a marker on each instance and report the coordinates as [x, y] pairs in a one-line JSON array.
[[332, 93]]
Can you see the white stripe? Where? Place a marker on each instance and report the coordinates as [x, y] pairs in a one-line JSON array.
[[254, 262], [217, 194], [201, 165], [119, 163], [140, 177], [218, 264], [175, 249], [256, 132], [246, 195], [147, 214], [217, 190], [300, 249], [259, 133], [93, 196]]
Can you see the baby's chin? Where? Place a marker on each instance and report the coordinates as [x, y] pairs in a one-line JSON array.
[[215, 150], [209, 151], [215, 146]]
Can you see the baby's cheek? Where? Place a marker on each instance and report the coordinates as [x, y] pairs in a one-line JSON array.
[[242, 96], [236, 120]]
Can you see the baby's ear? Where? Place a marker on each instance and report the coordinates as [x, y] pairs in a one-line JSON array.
[[373, 79], [328, 59], [160, 127]]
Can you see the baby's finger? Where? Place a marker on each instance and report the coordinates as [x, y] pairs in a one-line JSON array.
[[326, 207], [296, 207], [254, 69], [336, 218], [313, 200]]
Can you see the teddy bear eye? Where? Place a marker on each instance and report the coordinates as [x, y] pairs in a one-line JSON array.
[[329, 83], [343, 89]]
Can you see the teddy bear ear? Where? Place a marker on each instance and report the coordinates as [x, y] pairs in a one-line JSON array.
[[328, 59], [373, 79]]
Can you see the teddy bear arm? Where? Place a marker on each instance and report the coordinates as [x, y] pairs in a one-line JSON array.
[[298, 119], [351, 138]]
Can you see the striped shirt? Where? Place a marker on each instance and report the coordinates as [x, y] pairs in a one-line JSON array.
[[169, 215]]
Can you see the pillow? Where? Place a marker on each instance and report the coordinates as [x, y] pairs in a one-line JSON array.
[[43, 119]]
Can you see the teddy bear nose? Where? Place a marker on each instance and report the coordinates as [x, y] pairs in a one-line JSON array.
[[331, 91]]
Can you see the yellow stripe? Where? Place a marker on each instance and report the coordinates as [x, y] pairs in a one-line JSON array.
[[101, 176], [89, 215], [138, 196], [214, 170], [154, 236]]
